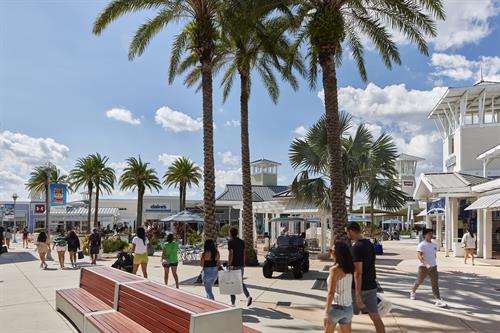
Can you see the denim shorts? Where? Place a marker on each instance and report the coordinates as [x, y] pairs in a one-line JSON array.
[[341, 314], [369, 298]]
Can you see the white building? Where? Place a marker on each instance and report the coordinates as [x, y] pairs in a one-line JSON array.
[[466, 194]]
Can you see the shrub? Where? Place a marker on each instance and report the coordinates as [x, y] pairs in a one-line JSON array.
[[224, 230], [193, 237], [39, 230], [113, 245]]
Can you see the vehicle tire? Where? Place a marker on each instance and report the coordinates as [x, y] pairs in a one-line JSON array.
[[267, 270], [297, 270], [305, 266]]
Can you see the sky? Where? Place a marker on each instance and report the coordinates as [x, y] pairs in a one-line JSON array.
[[66, 93]]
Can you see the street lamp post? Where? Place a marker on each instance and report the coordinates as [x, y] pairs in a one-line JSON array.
[[14, 197], [49, 168]]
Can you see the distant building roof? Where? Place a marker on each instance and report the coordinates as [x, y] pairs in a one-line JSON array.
[[264, 161], [259, 193], [431, 184], [407, 157]]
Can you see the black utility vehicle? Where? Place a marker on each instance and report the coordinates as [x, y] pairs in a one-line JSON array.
[[288, 254]]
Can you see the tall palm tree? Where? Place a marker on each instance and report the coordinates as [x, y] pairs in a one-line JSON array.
[[104, 179], [197, 37], [40, 179], [250, 40], [329, 26], [137, 175], [82, 175], [368, 165], [183, 173]]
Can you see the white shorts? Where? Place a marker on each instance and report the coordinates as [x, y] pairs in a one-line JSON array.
[[60, 248]]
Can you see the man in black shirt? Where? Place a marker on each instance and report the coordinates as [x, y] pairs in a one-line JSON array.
[[236, 261], [365, 284]]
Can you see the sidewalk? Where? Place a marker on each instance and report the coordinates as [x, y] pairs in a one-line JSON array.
[[281, 304]]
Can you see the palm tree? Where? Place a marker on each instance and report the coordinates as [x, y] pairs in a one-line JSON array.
[[198, 38], [328, 26], [40, 179], [138, 175], [368, 165], [183, 173], [104, 179], [82, 175]]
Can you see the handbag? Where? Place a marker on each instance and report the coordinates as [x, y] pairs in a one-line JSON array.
[[80, 255], [230, 282]]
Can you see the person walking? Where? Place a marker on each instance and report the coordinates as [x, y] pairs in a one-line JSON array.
[[73, 246], [338, 308], [169, 259], [236, 261], [60, 245], [210, 260], [364, 288], [94, 246], [26, 235], [8, 237], [469, 244], [43, 247], [426, 254], [140, 250]]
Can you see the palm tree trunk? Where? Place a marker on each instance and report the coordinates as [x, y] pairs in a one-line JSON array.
[[184, 191], [96, 213], [209, 224], [339, 212], [140, 196], [47, 207], [89, 213], [351, 196], [372, 214], [181, 198], [250, 253]]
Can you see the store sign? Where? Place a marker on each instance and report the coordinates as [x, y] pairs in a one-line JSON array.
[[39, 209], [408, 183], [451, 161], [158, 207], [435, 206], [58, 194]]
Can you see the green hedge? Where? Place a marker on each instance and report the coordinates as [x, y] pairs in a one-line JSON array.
[[113, 245], [39, 230]]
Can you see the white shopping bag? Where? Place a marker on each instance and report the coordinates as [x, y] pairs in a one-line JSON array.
[[230, 282]]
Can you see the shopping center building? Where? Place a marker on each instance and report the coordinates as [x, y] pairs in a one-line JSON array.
[[466, 193]]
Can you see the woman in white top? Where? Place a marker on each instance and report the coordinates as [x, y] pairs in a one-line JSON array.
[[338, 308], [140, 250], [469, 244]]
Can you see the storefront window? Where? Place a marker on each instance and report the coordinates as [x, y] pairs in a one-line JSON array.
[[496, 233], [466, 218]]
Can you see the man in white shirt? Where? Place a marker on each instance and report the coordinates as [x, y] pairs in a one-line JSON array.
[[426, 254]]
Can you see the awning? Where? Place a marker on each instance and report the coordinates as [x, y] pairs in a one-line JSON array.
[[488, 201]]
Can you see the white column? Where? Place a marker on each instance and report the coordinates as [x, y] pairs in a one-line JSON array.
[[480, 232], [254, 227], [266, 222], [323, 234], [302, 227], [240, 223], [428, 221], [291, 228], [454, 219], [447, 226], [439, 230], [488, 235]]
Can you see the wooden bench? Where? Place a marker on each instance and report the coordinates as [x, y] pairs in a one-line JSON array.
[[113, 301]]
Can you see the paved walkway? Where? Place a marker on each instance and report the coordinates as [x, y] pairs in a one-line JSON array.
[[281, 304]]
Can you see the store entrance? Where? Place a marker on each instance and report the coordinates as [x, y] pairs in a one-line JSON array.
[[496, 234]]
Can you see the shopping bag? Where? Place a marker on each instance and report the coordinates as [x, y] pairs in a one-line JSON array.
[[383, 305], [80, 254], [230, 282]]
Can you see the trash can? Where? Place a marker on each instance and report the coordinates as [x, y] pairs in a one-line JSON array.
[[458, 250]]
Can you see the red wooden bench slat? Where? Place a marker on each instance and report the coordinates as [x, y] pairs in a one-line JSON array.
[[127, 291], [141, 320], [167, 319], [184, 299], [247, 329], [116, 323], [82, 300], [104, 295], [115, 275]]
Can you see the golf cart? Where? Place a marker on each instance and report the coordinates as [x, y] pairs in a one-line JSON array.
[[289, 253]]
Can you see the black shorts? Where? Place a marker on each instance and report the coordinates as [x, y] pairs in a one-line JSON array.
[[94, 249], [72, 249], [174, 264]]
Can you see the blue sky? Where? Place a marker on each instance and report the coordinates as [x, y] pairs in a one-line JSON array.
[[58, 81]]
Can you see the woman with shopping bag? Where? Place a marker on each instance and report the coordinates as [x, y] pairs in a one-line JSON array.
[[210, 261]]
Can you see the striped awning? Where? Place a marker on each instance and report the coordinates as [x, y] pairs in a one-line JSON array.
[[104, 211], [488, 201]]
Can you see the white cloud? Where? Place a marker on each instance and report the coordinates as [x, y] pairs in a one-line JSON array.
[[177, 121], [467, 22], [300, 131], [400, 112], [459, 68], [122, 115], [19, 154], [224, 177], [168, 159], [232, 123], [228, 158]]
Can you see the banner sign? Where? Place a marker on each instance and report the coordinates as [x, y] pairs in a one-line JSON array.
[[58, 194], [435, 206], [39, 209]]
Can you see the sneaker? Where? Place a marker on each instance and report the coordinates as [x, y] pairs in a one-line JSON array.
[[440, 303], [249, 301], [412, 295]]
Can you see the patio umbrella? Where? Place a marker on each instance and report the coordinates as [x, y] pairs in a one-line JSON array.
[[391, 222], [184, 217]]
